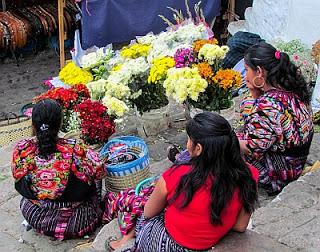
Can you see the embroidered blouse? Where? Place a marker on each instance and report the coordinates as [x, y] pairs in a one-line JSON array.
[[278, 128], [49, 177]]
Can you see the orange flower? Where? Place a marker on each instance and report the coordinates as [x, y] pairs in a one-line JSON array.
[[200, 43], [205, 71], [227, 79]]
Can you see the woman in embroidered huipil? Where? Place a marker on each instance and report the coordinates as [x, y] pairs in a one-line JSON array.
[[57, 178], [278, 127]]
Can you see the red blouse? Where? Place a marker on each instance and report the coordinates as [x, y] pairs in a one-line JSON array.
[[191, 226]]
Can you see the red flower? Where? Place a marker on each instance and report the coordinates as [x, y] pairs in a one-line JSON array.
[[96, 124]]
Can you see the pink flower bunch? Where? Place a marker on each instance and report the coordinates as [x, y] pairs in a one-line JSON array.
[[183, 57]]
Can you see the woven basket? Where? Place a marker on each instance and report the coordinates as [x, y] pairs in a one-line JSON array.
[[128, 175], [12, 130], [121, 183]]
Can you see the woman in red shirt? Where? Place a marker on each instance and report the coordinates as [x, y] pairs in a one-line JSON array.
[[195, 204]]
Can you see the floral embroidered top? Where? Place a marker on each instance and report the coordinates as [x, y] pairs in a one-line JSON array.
[[278, 128], [49, 177]]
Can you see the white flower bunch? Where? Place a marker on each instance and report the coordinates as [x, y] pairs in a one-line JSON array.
[[93, 59], [73, 122], [212, 53], [97, 89], [118, 91], [168, 42], [115, 106], [184, 83]]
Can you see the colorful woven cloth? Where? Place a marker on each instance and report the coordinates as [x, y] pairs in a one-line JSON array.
[[278, 128], [126, 206]]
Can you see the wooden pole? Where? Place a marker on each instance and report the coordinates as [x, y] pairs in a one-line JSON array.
[[61, 5], [232, 10]]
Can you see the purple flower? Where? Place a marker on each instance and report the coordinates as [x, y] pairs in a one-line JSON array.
[[183, 57]]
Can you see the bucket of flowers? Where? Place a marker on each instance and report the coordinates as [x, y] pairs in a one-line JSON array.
[[199, 81]]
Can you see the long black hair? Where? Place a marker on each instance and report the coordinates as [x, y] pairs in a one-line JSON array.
[[280, 70], [46, 120], [220, 159]]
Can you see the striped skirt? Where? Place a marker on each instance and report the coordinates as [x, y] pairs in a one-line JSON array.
[[62, 220], [151, 235]]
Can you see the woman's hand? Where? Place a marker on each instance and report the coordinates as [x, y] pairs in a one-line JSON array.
[[243, 147], [242, 221]]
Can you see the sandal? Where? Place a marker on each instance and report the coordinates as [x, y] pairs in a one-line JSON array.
[[108, 241], [172, 150]]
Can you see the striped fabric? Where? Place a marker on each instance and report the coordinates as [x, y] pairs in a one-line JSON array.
[[151, 235], [62, 220], [278, 128]]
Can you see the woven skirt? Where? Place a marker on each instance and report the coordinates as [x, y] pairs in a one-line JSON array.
[[62, 220], [151, 235]]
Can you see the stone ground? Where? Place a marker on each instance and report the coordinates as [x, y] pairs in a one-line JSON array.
[[290, 222]]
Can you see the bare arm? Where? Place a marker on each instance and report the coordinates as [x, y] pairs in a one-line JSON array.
[[157, 201], [242, 221]]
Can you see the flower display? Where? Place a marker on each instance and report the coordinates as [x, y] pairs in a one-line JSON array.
[[135, 51], [184, 83], [71, 74], [96, 125], [227, 79], [213, 54], [197, 45], [116, 107], [160, 66], [183, 57]]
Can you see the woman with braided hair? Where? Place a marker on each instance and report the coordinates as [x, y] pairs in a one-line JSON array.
[[278, 126]]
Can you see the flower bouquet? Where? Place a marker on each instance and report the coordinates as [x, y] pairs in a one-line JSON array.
[[71, 74], [96, 124]]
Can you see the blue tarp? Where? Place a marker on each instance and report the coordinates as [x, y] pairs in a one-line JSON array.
[[115, 21]]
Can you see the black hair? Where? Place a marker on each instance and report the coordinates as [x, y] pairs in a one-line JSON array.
[[280, 71], [46, 120], [221, 160]]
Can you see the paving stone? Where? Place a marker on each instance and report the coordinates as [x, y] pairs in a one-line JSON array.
[[293, 217]]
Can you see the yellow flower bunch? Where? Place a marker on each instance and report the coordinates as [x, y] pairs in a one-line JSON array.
[[116, 68], [72, 74], [205, 71], [115, 106], [227, 79], [159, 69], [183, 83], [135, 51], [212, 53], [197, 45]]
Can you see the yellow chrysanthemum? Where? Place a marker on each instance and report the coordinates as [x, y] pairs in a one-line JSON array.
[[159, 69], [135, 51], [72, 74]]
